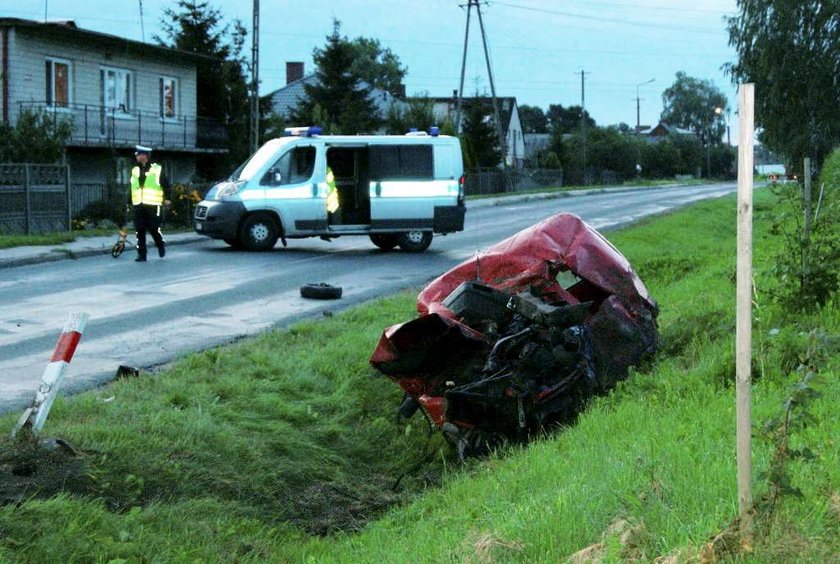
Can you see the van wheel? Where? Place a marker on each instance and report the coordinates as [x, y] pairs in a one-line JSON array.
[[415, 241], [385, 241], [258, 232]]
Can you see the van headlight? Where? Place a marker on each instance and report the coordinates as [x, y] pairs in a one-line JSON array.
[[229, 189]]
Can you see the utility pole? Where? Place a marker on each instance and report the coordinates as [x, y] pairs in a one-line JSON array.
[[255, 80], [142, 28], [463, 69], [583, 120], [638, 104], [496, 114]]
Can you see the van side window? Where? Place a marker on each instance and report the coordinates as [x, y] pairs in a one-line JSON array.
[[401, 162], [293, 167]]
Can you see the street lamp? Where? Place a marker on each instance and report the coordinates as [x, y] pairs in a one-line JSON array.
[[638, 125]]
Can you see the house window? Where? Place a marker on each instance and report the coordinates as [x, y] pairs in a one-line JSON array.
[[168, 97], [116, 90], [58, 82]]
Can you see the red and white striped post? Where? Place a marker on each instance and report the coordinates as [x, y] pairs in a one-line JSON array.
[[36, 414]]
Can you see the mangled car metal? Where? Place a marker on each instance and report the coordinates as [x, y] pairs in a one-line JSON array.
[[520, 336]]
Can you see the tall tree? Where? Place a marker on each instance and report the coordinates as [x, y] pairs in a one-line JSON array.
[[338, 100], [377, 66], [478, 136], [533, 119], [791, 52], [567, 120], [222, 91], [419, 113], [690, 103]]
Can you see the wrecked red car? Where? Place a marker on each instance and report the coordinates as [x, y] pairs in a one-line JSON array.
[[520, 336]]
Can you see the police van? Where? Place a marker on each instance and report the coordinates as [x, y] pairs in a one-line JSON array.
[[398, 190]]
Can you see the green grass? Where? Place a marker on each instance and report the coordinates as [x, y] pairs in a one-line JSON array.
[[241, 453], [60, 237]]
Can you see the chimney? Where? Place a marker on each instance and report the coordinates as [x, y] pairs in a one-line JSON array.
[[294, 71]]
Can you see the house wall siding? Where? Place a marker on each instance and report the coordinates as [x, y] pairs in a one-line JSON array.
[[28, 54]]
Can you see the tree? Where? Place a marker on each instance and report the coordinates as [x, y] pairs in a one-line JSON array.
[[690, 104], [222, 91], [36, 137], [378, 67], [791, 52], [567, 120], [533, 119], [419, 114], [338, 100], [478, 137]]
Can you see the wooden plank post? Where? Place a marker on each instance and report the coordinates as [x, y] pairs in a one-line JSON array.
[[68, 195], [743, 322], [806, 227]]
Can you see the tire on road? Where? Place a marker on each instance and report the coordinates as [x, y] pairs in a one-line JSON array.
[[259, 232], [320, 291], [415, 241], [385, 241]]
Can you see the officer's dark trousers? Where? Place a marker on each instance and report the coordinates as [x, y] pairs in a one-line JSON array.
[[146, 218]]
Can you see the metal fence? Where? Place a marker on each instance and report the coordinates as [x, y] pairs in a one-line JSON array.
[[34, 198], [496, 181]]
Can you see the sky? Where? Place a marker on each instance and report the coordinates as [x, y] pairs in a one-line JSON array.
[[537, 47]]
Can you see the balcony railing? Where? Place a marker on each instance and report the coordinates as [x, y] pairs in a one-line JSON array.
[[101, 126]]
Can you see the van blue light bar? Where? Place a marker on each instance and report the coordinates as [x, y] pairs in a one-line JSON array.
[[307, 131]]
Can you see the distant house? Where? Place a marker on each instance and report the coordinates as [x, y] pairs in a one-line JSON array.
[[661, 131], [287, 98], [536, 147], [446, 109], [117, 92]]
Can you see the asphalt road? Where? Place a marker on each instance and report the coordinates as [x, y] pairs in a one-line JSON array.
[[206, 294]]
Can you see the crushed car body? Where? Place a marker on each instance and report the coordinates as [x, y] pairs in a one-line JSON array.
[[520, 336]]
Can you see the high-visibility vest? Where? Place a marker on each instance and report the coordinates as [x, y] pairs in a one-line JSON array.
[[332, 192], [151, 192]]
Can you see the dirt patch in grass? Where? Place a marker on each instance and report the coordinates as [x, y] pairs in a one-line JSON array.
[[30, 467]]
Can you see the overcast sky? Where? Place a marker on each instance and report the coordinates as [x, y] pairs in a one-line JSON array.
[[537, 47]]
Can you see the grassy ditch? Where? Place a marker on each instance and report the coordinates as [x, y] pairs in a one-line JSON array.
[[284, 447]]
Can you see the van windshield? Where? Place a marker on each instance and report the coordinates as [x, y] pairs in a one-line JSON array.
[[265, 154]]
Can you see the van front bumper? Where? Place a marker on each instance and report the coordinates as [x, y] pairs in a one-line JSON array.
[[219, 220]]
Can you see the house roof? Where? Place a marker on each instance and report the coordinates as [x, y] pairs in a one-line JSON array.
[[284, 99], [67, 30], [506, 105], [663, 128]]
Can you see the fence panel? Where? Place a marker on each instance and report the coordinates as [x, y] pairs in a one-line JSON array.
[[34, 198]]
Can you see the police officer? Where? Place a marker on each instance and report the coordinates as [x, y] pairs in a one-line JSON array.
[[147, 197]]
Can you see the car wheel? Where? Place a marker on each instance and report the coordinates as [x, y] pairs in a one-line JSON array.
[[415, 241], [320, 291], [385, 241], [258, 232]]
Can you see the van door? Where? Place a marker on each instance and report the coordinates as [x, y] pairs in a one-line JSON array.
[[292, 189], [403, 191]]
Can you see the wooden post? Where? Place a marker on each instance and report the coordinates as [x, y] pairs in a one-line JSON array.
[[806, 227], [69, 194], [743, 322], [27, 199]]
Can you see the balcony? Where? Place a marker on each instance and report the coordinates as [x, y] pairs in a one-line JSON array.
[[100, 126]]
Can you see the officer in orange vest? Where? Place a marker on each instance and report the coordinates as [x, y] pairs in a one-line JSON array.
[[147, 197]]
